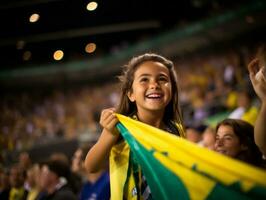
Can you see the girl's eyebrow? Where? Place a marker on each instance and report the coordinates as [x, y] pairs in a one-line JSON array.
[[163, 74], [146, 74], [142, 75], [227, 134]]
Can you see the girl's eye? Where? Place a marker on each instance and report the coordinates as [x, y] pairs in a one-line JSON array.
[[143, 79], [163, 79], [228, 138]]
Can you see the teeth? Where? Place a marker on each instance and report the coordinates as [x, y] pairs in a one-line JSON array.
[[221, 151], [154, 95]]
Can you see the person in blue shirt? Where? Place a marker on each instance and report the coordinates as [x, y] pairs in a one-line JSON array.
[[97, 187]]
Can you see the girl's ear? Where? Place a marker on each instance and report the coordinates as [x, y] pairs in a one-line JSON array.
[[130, 95]]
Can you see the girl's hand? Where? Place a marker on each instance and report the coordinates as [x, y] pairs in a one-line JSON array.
[[108, 120], [99, 154], [258, 79]]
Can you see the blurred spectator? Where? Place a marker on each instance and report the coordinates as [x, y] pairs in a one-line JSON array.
[[58, 156], [235, 138], [194, 133], [97, 186], [55, 181], [245, 110], [94, 185], [24, 161], [17, 178], [208, 138], [74, 181], [77, 164], [32, 182]]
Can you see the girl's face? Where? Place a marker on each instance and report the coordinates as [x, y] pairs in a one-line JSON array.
[[151, 89], [227, 142]]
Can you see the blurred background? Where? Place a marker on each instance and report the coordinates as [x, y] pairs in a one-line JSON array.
[[59, 61]]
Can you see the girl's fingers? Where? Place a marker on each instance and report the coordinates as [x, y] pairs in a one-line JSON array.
[[108, 119], [105, 114], [112, 124], [113, 109]]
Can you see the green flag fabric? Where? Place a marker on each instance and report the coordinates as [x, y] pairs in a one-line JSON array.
[[178, 169]]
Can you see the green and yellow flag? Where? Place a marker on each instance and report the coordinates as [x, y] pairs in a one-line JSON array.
[[178, 169]]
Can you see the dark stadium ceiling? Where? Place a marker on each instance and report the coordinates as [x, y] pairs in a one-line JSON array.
[[67, 25]]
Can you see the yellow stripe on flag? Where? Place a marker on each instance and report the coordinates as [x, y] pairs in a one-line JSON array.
[[226, 170]]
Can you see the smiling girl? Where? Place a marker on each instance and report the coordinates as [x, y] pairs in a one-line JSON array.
[[148, 94], [235, 138]]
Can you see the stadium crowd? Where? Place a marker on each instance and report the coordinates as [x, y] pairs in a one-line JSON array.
[[213, 86]]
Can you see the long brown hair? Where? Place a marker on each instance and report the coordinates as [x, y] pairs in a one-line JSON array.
[[245, 133], [126, 107]]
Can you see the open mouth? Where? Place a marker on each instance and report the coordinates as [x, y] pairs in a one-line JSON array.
[[221, 151], [154, 96]]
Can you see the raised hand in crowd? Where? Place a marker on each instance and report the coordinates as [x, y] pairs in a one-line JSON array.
[[257, 74]]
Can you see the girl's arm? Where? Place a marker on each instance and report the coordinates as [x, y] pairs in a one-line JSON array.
[[99, 154], [259, 85]]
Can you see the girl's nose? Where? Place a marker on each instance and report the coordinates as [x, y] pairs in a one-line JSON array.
[[154, 84], [218, 142]]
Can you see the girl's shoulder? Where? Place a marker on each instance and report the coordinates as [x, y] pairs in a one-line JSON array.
[[175, 128], [170, 126]]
